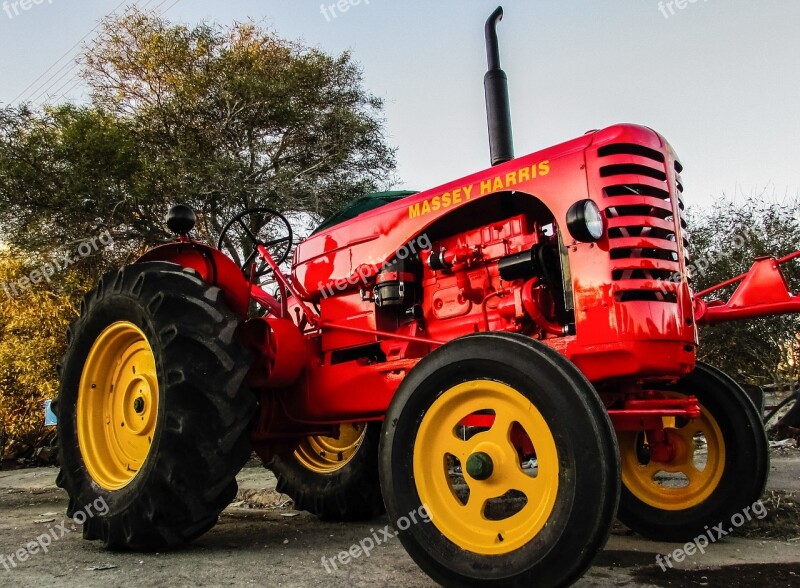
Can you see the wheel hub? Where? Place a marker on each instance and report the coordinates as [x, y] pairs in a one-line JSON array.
[[480, 466], [327, 455], [492, 464], [117, 405], [670, 478]]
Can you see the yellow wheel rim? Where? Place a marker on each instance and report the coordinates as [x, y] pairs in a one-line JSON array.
[[658, 484], [438, 442], [117, 405], [326, 455]]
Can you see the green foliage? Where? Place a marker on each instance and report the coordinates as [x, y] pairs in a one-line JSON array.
[[56, 167], [723, 244], [222, 119]]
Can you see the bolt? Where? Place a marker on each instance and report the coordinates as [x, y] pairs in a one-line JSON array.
[[138, 405], [480, 466]]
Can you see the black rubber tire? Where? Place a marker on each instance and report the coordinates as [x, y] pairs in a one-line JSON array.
[[588, 492], [352, 493], [745, 471], [200, 441]]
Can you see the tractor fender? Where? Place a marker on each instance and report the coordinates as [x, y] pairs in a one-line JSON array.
[[213, 266], [280, 348]]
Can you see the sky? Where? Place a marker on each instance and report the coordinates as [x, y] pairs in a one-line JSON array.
[[720, 79]]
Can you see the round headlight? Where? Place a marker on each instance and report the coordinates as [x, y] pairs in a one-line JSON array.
[[585, 221]]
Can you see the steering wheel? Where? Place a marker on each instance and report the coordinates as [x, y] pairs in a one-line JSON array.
[[254, 227]]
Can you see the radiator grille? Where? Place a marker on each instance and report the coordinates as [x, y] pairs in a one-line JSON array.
[[646, 222]]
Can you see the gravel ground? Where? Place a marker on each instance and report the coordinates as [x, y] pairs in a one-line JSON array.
[[261, 541]]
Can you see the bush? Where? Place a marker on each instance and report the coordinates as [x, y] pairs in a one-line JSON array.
[[32, 339], [724, 241]]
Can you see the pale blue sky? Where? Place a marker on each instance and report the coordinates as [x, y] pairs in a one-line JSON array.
[[719, 78]]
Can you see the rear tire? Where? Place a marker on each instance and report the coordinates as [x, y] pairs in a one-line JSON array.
[[335, 479], [571, 500], [737, 462], [159, 448]]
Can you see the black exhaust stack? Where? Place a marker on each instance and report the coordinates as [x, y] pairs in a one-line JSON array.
[[498, 109]]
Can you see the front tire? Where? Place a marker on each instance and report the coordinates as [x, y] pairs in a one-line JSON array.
[[676, 500], [492, 517], [153, 410]]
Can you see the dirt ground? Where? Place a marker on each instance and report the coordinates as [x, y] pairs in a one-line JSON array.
[[260, 541]]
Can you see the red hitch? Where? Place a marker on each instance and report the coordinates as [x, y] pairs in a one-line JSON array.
[[763, 291]]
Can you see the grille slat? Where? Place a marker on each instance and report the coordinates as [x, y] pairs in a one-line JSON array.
[[644, 243], [635, 184], [653, 285], [632, 169], [641, 221], [641, 263], [631, 149], [639, 202]]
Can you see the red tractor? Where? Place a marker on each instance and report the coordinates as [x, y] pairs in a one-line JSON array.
[[512, 354]]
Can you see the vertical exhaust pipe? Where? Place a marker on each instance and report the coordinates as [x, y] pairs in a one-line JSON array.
[[498, 108]]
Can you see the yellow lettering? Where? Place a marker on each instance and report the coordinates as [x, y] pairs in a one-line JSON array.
[[498, 184], [524, 174], [435, 204], [468, 191], [446, 200], [413, 210], [426, 207], [544, 168], [511, 179], [486, 187], [456, 196]]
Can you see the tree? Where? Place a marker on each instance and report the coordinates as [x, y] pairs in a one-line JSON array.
[[62, 174], [724, 242], [32, 326], [221, 118]]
